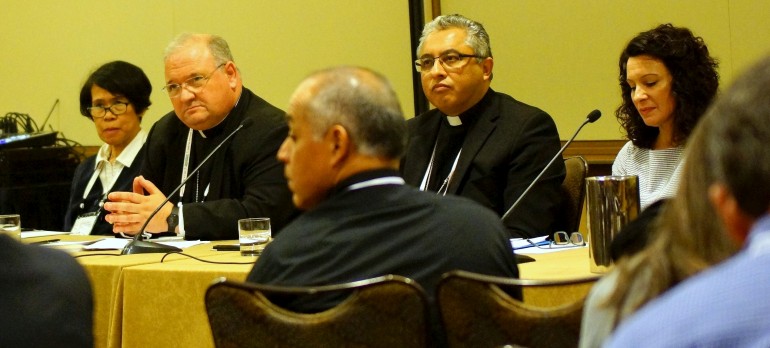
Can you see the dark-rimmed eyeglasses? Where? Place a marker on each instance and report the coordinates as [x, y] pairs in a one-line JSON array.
[[562, 240], [194, 84], [451, 61], [100, 111]]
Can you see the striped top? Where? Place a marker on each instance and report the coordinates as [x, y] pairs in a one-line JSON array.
[[658, 170]]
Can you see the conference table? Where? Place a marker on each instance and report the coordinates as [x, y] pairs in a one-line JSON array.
[[157, 300]]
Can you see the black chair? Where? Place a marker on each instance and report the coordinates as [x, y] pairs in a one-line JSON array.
[[573, 190], [476, 312], [387, 311]]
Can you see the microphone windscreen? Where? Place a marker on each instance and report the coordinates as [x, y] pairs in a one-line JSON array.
[[594, 115]]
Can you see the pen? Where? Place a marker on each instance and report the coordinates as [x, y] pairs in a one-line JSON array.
[[47, 241], [532, 244]]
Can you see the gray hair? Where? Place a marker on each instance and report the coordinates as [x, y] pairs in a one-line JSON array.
[[216, 45], [477, 38], [735, 132], [362, 101]]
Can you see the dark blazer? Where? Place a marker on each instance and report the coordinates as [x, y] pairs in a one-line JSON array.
[[45, 298], [503, 152], [83, 173], [246, 179]]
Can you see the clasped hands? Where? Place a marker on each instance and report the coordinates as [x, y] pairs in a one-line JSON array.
[[129, 210]]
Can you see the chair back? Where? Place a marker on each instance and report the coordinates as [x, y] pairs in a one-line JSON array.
[[573, 192], [387, 311], [477, 312]]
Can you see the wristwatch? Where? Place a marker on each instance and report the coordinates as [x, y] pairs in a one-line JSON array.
[[173, 219]]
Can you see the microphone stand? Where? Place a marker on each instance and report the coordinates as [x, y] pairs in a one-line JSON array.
[[139, 246], [592, 116]]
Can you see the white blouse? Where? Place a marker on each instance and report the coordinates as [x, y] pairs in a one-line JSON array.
[[658, 170]]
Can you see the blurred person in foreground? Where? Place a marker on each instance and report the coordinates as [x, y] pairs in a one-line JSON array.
[[243, 179], [346, 136], [667, 80], [115, 98], [684, 239], [479, 143], [724, 306], [45, 298]]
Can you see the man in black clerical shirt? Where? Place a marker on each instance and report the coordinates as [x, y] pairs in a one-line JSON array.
[[242, 179], [479, 143], [346, 136]]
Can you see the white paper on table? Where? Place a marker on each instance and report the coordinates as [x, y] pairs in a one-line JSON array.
[[66, 243], [40, 233], [120, 243], [546, 250], [521, 243]]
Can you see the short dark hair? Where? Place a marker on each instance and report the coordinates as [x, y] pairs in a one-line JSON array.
[[695, 81], [119, 78]]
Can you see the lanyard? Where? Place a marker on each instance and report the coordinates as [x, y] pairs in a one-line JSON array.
[[428, 172], [92, 182], [186, 162], [186, 168]]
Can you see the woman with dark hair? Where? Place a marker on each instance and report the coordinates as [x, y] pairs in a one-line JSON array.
[[667, 80], [115, 97]]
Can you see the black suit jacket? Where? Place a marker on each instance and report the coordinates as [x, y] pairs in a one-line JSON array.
[[246, 179], [45, 298], [503, 152], [83, 173]]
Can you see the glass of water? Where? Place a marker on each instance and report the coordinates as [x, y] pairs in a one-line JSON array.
[[253, 235], [11, 225]]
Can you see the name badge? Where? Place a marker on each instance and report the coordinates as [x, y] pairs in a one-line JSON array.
[[85, 223]]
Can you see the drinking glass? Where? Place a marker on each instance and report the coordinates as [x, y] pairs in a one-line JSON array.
[[253, 235], [11, 224]]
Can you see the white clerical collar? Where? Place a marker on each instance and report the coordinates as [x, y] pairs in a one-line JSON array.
[[203, 135], [386, 180], [454, 121]]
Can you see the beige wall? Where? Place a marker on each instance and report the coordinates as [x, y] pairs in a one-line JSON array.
[[562, 55], [49, 47], [555, 54]]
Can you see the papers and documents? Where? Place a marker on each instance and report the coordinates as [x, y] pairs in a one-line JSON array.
[[40, 233], [540, 245], [119, 243]]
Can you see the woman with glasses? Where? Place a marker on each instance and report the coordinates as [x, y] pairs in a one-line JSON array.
[[115, 97], [667, 79]]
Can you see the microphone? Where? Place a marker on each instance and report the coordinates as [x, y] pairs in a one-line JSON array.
[[139, 246], [591, 118]]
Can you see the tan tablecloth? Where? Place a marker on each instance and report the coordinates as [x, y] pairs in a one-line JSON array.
[[163, 304], [140, 302], [571, 263]]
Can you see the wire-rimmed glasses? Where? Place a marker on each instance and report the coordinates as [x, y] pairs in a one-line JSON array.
[[194, 84], [451, 61], [100, 111], [562, 240]]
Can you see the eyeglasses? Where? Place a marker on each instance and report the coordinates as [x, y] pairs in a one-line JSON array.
[[562, 240], [451, 61], [194, 84], [116, 109]]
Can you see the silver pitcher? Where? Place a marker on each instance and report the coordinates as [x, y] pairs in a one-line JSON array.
[[612, 202]]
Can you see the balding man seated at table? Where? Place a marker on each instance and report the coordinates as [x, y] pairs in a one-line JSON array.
[[346, 137]]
